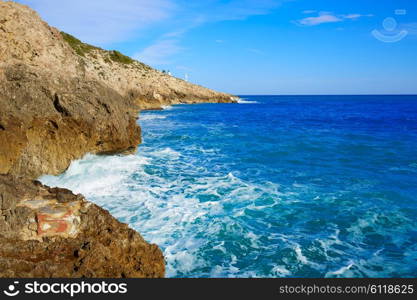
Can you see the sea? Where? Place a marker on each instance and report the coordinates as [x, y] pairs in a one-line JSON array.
[[274, 186]]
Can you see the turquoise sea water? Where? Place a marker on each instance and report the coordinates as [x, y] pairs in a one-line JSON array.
[[277, 186]]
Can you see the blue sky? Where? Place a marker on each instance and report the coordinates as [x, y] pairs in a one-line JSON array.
[[257, 46]]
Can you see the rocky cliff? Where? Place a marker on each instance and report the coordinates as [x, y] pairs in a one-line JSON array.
[[60, 99]]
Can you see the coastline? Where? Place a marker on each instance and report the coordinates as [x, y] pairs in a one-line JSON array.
[[57, 105], [201, 188]]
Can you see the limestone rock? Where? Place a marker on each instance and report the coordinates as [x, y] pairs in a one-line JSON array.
[[58, 102], [50, 232]]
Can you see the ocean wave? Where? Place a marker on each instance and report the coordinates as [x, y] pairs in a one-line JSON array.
[[194, 215], [243, 101], [151, 117], [182, 215], [226, 194], [189, 213]]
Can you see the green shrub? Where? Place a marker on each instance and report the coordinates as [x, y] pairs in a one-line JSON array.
[[116, 56], [79, 47], [82, 49]]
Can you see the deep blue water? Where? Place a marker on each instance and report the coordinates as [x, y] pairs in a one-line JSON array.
[[280, 186]]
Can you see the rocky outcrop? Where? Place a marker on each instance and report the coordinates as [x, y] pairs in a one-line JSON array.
[[60, 99], [47, 121], [147, 87], [50, 232], [50, 111]]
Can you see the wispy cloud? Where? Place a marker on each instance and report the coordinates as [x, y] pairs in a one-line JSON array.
[[328, 17], [159, 53], [323, 18], [356, 16], [197, 13], [102, 21]]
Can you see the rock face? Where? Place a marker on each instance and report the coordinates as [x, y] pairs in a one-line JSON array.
[[47, 121], [61, 99], [49, 232]]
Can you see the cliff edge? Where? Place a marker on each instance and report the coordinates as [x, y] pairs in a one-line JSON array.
[[60, 99]]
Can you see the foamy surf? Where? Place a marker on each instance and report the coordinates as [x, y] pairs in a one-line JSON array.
[[266, 190], [150, 117], [243, 101], [177, 214]]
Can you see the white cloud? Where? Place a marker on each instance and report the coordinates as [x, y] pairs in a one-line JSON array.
[[324, 18], [356, 16], [328, 17], [102, 21], [159, 53]]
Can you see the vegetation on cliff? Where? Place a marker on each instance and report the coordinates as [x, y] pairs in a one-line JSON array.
[[116, 56], [79, 47], [83, 48]]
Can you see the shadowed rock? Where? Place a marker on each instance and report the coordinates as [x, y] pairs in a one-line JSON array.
[[48, 232]]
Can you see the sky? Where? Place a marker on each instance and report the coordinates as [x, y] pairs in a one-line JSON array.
[[280, 47]]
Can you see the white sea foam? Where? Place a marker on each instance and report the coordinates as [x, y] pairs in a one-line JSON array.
[[243, 101], [301, 258], [167, 107], [210, 220], [151, 117], [164, 203], [181, 206], [194, 214], [342, 272], [280, 271]]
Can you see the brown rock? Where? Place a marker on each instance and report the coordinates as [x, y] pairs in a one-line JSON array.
[[48, 232], [56, 105]]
